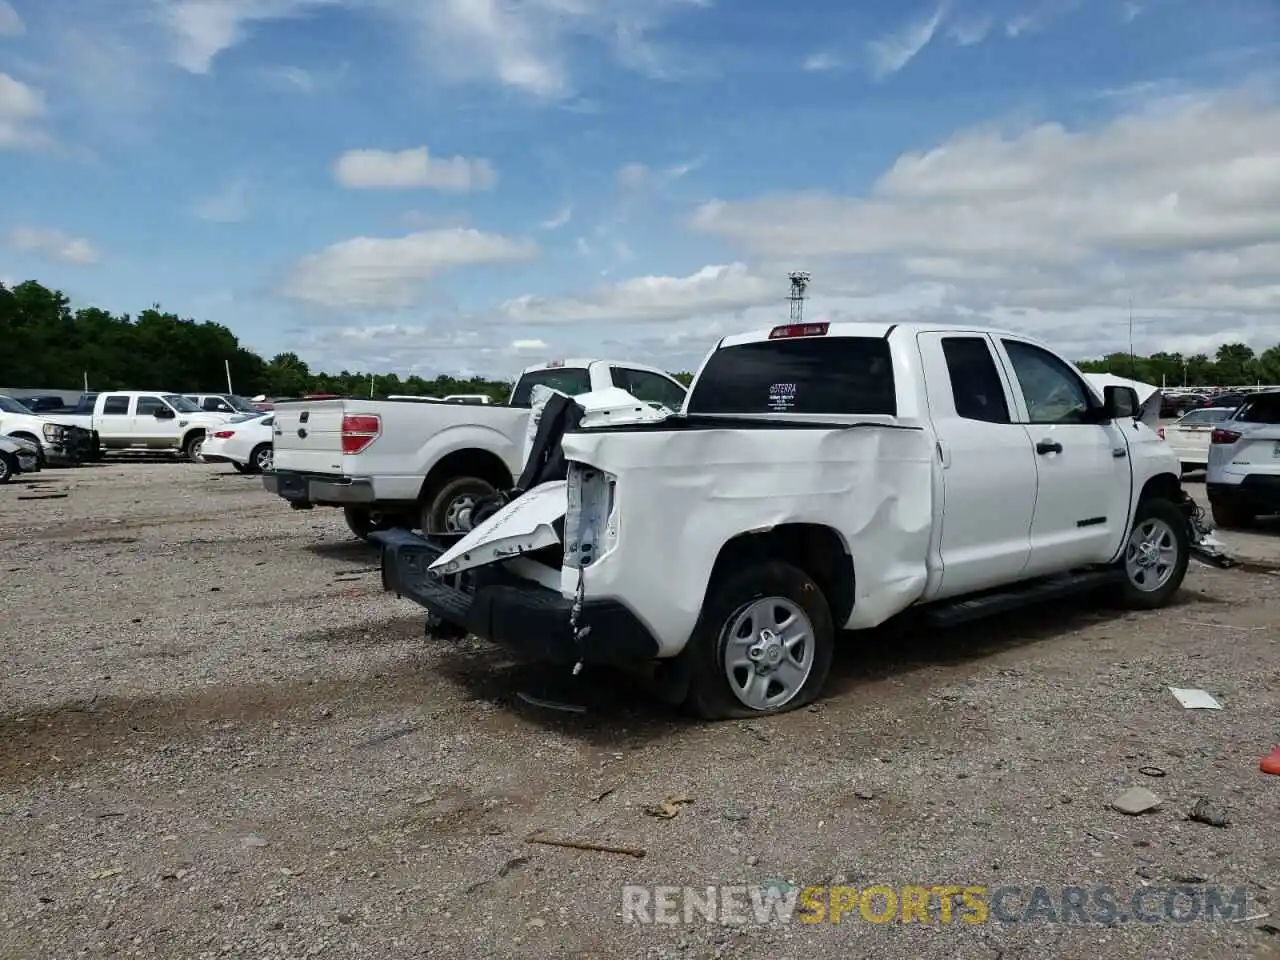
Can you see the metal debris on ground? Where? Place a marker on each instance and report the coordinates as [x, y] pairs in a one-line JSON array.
[[1194, 699], [1207, 811], [585, 845], [669, 808], [560, 705], [1271, 762]]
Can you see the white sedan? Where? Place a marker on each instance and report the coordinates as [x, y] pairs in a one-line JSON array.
[[1189, 435], [245, 444]]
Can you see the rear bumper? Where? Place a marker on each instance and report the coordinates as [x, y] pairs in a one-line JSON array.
[[1257, 491], [323, 488], [517, 614]]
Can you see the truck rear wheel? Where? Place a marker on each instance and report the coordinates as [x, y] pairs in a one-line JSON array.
[[449, 509], [763, 644]]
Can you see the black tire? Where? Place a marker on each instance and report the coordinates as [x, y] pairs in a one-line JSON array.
[[191, 449], [1172, 521], [439, 510], [710, 694], [242, 467], [8, 467], [253, 466], [1228, 515], [359, 521]]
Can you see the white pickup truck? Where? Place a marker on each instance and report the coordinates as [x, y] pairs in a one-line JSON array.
[[425, 465], [820, 477], [149, 421]]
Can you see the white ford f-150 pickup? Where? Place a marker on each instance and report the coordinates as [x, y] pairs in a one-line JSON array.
[[425, 465], [148, 421], [820, 477]]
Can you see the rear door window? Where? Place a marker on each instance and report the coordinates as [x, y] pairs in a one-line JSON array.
[[976, 385], [1261, 409], [813, 375], [568, 380]]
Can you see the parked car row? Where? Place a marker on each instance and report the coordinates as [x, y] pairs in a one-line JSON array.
[[814, 477]]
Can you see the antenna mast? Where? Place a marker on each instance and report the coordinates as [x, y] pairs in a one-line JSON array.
[[799, 285]]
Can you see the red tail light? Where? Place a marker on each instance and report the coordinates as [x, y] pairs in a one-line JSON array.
[[359, 431], [1161, 432], [798, 330], [224, 434], [1222, 435]]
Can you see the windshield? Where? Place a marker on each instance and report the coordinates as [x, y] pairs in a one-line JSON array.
[[241, 404], [568, 380], [813, 375], [9, 405], [181, 404]]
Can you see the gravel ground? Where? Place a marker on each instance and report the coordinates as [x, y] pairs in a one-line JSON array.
[[221, 739]]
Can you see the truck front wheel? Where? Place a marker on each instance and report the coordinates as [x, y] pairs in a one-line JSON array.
[[449, 509], [763, 644], [1155, 555], [193, 447]]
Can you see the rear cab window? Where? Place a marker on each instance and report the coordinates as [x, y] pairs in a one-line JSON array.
[[805, 375], [568, 380]]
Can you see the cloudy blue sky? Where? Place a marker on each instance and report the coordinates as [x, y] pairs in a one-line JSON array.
[[473, 185]]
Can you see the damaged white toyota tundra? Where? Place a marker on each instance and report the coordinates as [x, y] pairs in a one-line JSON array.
[[820, 477]]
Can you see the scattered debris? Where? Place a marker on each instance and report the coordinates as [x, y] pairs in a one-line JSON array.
[[550, 704], [756, 732], [585, 845], [103, 874], [1194, 699], [669, 808], [392, 734], [1135, 800], [735, 812], [253, 841], [1207, 811], [1151, 771], [600, 796], [864, 794], [44, 496]]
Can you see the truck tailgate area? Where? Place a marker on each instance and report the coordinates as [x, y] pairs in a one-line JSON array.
[[308, 436]]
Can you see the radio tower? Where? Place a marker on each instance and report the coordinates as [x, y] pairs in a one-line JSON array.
[[799, 284]]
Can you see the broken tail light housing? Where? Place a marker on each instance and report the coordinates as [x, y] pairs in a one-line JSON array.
[[1161, 432], [791, 330], [224, 434], [1223, 435], [358, 431]]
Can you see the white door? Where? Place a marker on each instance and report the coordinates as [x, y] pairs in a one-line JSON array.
[[988, 466], [1083, 490], [148, 429], [115, 422]]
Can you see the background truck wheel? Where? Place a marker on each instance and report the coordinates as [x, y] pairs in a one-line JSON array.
[[1230, 515], [449, 509], [1155, 556], [191, 449], [8, 467], [763, 644], [360, 521]]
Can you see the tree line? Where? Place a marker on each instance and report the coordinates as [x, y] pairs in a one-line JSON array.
[[48, 344]]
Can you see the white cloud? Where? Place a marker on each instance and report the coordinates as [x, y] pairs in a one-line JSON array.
[[967, 33], [560, 219], [713, 289], [202, 29], [404, 169], [228, 205], [821, 61], [527, 346], [21, 109], [391, 272], [633, 175], [1176, 204], [891, 53], [52, 244], [11, 24]]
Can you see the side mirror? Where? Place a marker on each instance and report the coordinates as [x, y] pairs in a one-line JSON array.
[[1120, 402], [164, 413]]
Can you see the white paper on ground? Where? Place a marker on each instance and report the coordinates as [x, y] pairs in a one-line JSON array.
[[1195, 699]]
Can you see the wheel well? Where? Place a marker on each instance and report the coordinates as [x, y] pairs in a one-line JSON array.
[[191, 434], [24, 435], [817, 550], [1163, 486], [466, 463]]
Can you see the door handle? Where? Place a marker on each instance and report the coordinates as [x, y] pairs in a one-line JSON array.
[[1048, 446]]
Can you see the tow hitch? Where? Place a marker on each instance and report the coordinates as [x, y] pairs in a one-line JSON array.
[[1205, 547]]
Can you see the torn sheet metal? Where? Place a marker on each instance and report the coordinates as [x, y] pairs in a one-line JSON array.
[[522, 526], [872, 483]]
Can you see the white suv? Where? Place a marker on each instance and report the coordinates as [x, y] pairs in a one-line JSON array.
[[1244, 462]]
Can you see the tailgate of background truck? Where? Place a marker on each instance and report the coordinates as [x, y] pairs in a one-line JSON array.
[[308, 436]]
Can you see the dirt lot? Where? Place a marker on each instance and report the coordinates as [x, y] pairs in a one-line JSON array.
[[221, 739]]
